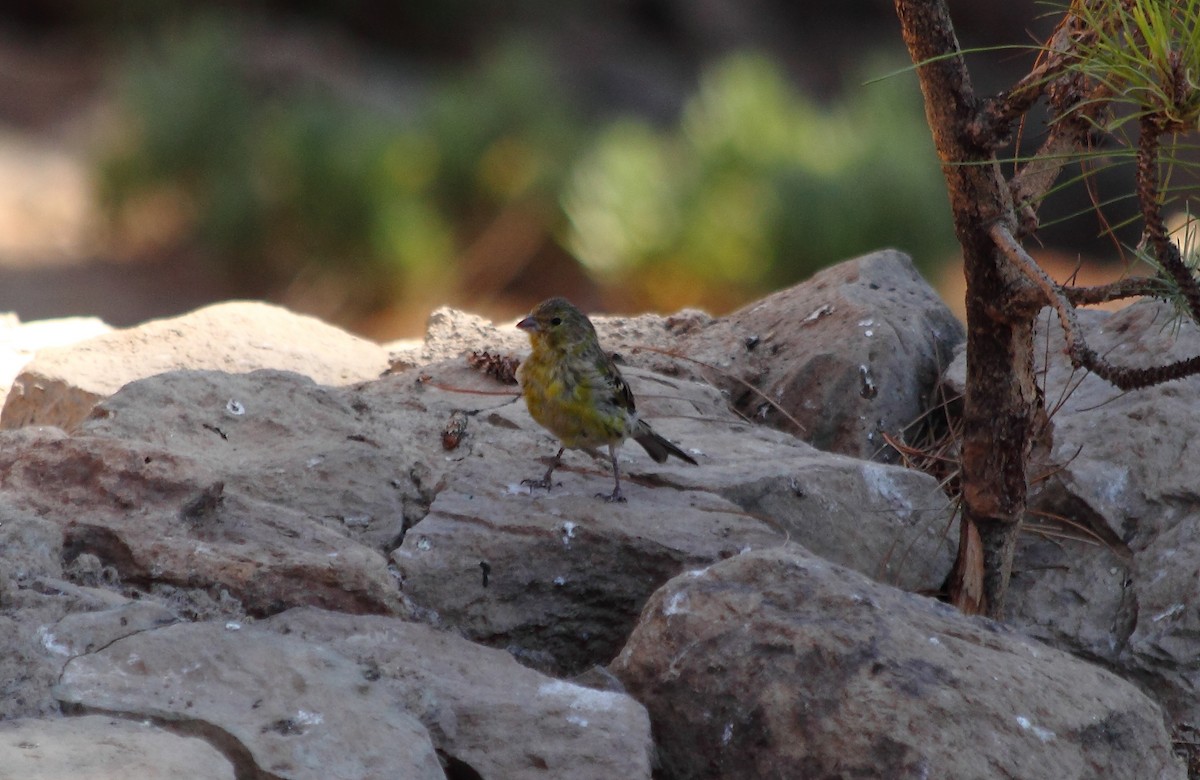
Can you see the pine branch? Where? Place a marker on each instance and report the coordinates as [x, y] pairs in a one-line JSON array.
[[1080, 354]]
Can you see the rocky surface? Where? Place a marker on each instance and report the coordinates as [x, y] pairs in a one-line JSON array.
[[97, 746], [536, 572], [779, 664], [270, 703], [482, 708], [324, 573]]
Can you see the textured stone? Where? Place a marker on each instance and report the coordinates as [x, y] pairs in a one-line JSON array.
[[97, 747], [274, 705], [20, 341], [483, 710], [156, 516], [850, 355], [778, 664]]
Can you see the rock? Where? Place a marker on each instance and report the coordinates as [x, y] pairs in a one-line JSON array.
[[80, 633], [274, 705], [850, 355], [20, 341], [361, 461], [98, 746], [157, 516], [451, 333], [484, 711], [778, 664], [534, 572], [559, 581], [61, 385]]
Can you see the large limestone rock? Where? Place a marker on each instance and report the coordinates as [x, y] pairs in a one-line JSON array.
[[61, 384], [778, 664], [310, 689]]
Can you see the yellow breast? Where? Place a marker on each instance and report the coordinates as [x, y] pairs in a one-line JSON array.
[[570, 402]]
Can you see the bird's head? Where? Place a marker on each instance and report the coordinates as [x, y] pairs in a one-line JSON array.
[[556, 323]]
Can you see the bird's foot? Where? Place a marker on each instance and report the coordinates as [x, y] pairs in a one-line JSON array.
[[545, 483], [614, 497]]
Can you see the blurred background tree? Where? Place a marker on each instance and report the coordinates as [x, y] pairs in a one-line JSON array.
[[368, 161]]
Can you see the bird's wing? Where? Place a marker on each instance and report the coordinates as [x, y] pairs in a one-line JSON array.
[[621, 391], [609, 384]]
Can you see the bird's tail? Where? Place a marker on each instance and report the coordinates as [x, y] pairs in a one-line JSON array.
[[658, 447]]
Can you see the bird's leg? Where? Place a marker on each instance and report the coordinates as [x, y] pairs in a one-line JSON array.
[[615, 497], [544, 482]]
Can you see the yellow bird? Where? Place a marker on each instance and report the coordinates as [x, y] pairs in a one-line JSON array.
[[574, 390]]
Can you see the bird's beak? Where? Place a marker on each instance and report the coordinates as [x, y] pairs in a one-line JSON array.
[[529, 324]]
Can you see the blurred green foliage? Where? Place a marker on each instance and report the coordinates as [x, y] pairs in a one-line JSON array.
[[755, 186], [758, 186]]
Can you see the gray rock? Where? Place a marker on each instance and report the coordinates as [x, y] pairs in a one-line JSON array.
[[778, 664], [95, 747], [851, 354], [276, 706], [156, 515], [482, 709], [361, 461]]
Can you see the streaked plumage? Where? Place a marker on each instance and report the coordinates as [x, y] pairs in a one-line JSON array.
[[574, 390]]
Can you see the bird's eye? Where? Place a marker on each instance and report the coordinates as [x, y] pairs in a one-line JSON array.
[[556, 321]]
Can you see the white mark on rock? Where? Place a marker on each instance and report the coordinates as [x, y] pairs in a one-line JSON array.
[[1171, 611], [727, 733], [306, 718], [235, 407], [676, 604], [868, 388], [1043, 735], [568, 529], [51, 643], [880, 481], [823, 311], [233, 625], [581, 699]]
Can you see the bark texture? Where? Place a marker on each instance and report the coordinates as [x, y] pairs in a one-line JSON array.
[[1002, 404]]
